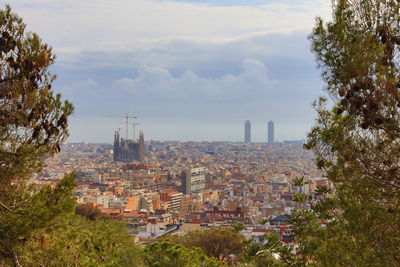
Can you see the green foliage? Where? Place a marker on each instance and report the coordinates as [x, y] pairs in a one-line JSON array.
[[356, 142], [258, 255], [168, 254], [285, 252], [237, 227], [33, 123], [89, 212], [37, 224], [72, 240], [34, 209], [216, 242]]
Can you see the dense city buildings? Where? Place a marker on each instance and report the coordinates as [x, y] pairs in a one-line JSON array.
[[271, 137], [184, 186], [247, 132], [126, 150]]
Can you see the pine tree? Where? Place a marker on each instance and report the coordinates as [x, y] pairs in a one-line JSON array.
[[168, 254], [38, 225], [356, 141], [33, 123], [217, 242], [73, 240]]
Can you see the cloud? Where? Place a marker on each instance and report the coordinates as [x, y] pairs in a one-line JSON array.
[[245, 86], [89, 84], [113, 25], [203, 66], [177, 83]]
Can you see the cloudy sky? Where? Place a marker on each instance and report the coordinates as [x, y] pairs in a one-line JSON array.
[[189, 69]]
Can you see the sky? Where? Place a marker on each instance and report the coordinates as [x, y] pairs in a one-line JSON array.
[[189, 69]]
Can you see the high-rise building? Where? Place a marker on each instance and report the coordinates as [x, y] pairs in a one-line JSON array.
[[247, 131], [193, 180], [128, 150], [270, 132]]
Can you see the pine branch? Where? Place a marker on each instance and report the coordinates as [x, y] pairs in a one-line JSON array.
[[5, 207], [16, 261]]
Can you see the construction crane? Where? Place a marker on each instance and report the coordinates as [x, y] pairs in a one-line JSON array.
[[127, 117], [134, 130]]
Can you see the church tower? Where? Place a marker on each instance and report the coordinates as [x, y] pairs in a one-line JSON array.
[[142, 151], [116, 146]]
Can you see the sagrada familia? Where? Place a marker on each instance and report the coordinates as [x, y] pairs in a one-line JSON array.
[[126, 150]]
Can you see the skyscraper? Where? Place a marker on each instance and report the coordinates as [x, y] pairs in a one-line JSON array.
[[271, 132], [247, 131]]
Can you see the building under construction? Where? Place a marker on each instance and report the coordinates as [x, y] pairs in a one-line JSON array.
[[126, 150]]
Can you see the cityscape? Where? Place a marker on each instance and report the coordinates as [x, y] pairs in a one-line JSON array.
[[200, 133], [163, 187]]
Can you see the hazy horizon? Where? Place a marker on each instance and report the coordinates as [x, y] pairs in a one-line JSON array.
[[189, 132]]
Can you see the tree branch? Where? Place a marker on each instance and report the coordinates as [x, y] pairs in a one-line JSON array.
[[5, 207], [16, 261]]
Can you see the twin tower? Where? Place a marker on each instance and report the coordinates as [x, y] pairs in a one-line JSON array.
[[247, 132]]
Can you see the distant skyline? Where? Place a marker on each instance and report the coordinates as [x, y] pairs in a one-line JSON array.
[[190, 70]]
